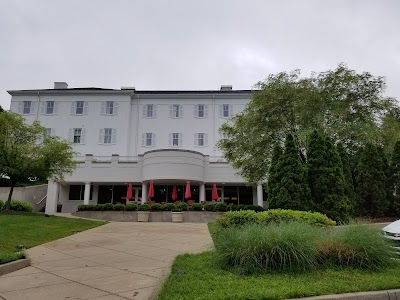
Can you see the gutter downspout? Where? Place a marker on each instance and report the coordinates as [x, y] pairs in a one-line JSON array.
[[213, 124], [137, 126], [38, 108]]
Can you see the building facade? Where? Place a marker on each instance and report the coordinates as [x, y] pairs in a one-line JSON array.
[[133, 137]]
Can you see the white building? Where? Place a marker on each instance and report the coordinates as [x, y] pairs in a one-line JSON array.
[[130, 136]]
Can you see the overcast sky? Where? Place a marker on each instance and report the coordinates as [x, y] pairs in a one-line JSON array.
[[182, 44]]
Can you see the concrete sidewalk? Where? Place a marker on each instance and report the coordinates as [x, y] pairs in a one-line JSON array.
[[114, 261]]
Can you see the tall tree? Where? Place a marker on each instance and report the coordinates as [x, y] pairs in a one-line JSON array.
[[346, 105], [273, 178], [394, 180], [326, 179], [348, 177], [24, 154], [292, 192], [1, 109], [371, 183]]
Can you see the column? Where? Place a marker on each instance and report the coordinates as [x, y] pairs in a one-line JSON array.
[[254, 190], [222, 194], [95, 196], [52, 198], [136, 195], [86, 196], [202, 194], [259, 194], [144, 192]]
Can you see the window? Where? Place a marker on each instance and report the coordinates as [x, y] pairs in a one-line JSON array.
[[48, 132], [225, 110], [176, 111], [175, 139], [109, 108], [27, 107], [49, 107], [200, 139], [77, 192], [79, 108], [108, 136], [77, 135], [149, 111], [200, 111], [148, 139]]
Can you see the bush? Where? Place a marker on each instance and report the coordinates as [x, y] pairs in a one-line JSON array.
[[209, 207], [233, 207], [98, 207], [131, 207], [108, 206], [156, 207], [169, 206], [220, 207], [183, 206], [196, 207], [21, 206], [144, 207], [237, 218], [258, 249], [254, 207], [81, 207], [1, 204], [357, 246], [119, 207]]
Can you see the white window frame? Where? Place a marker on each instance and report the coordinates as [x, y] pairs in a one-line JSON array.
[[76, 136], [44, 108], [148, 139], [71, 136], [147, 108], [48, 132], [222, 110], [74, 108], [175, 139], [176, 111], [109, 108], [197, 111], [24, 107], [102, 137], [204, 139]]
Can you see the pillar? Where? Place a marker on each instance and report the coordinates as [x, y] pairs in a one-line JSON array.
[[202, 192], [52, 198], [144, 192], [95, 196], [136, 195], [86, 196], [259, 194]]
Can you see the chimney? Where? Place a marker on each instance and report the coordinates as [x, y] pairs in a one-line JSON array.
[[127, 88], [60, 85], [226, 88]]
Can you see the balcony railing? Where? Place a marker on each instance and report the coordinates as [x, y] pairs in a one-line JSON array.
[[129, 159]]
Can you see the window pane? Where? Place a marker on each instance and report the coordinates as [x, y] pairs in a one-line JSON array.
[[50, 107], [149, 110], [107, 135], [47, 132], [200, 139], [176, 111], [77, 135], [175, 139], [109, 107], [79, 107], [149, 139], [201, 111], [226, 110], [27, 107]]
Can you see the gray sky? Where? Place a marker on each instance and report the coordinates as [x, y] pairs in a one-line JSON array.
[[181, 44]]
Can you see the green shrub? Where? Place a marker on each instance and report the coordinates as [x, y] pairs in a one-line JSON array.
[[232, 207], [1, 204], [131, 207], [358, 246], [168, 206], [254, 207], [119, 207], [209, 207], [144, 207], [156, 207], [220, 207], [237, 218], [21, 206], [253, 249], [82, 207], [196, 207], [108, 207], [98, 207], [183, 206]]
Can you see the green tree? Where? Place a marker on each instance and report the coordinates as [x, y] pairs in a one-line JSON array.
[[348, 177], [371, 183], [346, 105], [25, 153], [326, 179], [394, 180], [273, 178], [292, 192], [1, 109]]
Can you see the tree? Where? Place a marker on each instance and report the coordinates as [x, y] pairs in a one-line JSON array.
[[292, 191], [371, 183], [346, 105], [1, 109], [26, 153], [273, 178], [326, 179], [348, 177], [394, 180]]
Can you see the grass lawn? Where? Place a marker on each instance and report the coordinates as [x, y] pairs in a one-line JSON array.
[[198, 276], [30, 229]]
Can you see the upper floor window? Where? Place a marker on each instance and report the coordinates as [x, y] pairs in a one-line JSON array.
[[200, 139], [27, 107], [175, 111], [226, 110], [48, 132], [200, 111], [48, 107], [175, 139], [109, 108], [77, 135], [148, 139], [79, 108], [149, 111], [108, 136]]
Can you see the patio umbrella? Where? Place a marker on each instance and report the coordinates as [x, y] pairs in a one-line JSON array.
[[188, 194], [129, 192], [214, 195], [174, 193], [151, 189]]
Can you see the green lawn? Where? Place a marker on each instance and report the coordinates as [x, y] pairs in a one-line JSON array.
[[31, 229]]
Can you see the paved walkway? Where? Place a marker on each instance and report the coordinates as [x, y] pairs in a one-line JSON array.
[[114, 261]]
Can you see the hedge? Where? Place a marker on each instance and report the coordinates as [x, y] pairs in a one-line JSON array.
[[17, 205]]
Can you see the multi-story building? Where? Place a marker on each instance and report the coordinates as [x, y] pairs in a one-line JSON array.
[[129, 136]]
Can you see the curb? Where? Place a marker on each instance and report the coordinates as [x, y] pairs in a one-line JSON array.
[[14, 266], [376, 295]]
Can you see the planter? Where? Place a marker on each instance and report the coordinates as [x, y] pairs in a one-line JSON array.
[[177, 217], [143, 216]]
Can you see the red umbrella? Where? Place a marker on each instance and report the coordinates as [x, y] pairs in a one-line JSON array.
[[129, 193], [214, 192], [174, 193], [188, 194], [151, 189]]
